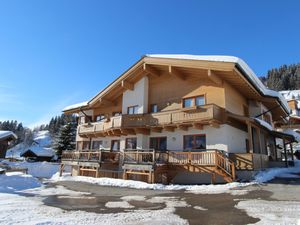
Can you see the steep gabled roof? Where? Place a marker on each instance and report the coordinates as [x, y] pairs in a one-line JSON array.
[[244, 69]]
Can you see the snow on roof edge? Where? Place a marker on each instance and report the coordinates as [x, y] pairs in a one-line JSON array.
[[75, 106], [233, 59], [5, 133]]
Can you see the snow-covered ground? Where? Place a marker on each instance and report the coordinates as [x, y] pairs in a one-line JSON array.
[[232, 188], [19, 209], [36, 169]]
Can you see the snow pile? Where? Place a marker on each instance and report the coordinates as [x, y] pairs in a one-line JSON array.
[[37, 169], [197, 189], [271, 173], [272, 212], [16, 181]]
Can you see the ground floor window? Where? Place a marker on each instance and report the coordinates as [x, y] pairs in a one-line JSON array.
[[194, 141], [97, 145], [130, 143], [158, 143], [83, 145], [115, 145]]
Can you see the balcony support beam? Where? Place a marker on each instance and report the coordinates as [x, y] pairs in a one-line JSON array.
[[184, 127], [128, 132], [198, 126], [144, 131], [176, 73], [169, 128], [127, 85], [150, 70], [156, 129], [213, 77]]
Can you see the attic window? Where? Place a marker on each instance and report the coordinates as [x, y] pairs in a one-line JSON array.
[[194, 101]]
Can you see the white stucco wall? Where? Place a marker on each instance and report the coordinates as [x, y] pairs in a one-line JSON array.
[[226, 138], [139, 96]]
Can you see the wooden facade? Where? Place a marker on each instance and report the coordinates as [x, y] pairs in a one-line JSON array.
[[209, 114]]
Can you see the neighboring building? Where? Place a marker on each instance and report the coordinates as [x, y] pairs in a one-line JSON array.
[[38, 153], [177, 118], [292, 125], [5, 138]]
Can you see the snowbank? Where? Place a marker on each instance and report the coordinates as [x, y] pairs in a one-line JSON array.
[[233, 188], [16, 181], [269, 174], [37, 169], [197, 189]]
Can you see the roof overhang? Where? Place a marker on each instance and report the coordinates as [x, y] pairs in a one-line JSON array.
[[220, 64]]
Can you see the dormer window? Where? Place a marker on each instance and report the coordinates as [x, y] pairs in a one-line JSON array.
[[194, 101]]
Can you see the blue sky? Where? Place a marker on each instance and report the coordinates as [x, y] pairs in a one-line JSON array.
[[57, 52]]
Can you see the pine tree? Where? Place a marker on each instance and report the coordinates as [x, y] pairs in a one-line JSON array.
[[65, 139]]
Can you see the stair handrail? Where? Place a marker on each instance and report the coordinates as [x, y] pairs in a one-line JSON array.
[[228, 166]]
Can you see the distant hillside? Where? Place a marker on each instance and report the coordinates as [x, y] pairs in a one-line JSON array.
[[42, 143], [286, 77]]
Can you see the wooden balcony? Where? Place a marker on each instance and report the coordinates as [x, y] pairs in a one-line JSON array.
[[186, 116], [93, 156], [141, 161]]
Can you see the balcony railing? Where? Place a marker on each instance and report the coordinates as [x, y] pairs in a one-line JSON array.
[[207, 158], [197, 114], [91, 156]]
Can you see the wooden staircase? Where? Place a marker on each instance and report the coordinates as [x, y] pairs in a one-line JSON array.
[[153, 164]]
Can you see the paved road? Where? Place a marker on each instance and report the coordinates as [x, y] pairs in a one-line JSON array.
[[214, 208]]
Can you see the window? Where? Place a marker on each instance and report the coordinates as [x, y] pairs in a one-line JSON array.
[[194, 101], [200, 100], [154, 108], [100, 117], [188, 102], [158, 143], [97, 145], [133, 110], [130, 143], [194, 142], [115, 145], [83, 145]]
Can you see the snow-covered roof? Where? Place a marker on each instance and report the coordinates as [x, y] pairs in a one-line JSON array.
[[291, 94], [264, 124], [40, 151], [220, 58], [7, 134], [75, 106], [293, 133]]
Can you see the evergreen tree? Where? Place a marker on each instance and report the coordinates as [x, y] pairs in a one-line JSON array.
[[65, 139]]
